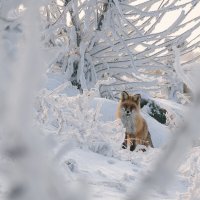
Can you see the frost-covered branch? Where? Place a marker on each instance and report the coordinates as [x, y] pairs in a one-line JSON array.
[[100, 38]]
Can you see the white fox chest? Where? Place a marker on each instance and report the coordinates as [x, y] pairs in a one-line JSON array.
[[128, 122]]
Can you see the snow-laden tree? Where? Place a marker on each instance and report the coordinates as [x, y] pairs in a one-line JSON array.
[[131, 41]]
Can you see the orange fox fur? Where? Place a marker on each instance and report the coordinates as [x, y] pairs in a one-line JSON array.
[[136, 127]]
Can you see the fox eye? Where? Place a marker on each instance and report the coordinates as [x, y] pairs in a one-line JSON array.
[[132, 107]]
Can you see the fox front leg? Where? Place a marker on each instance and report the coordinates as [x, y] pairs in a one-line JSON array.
[[132, 144], [124, 144]]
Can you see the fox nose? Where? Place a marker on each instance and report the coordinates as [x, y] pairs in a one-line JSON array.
[[127, 111]]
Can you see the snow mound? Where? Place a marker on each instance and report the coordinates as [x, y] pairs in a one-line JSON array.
[[159, 132], [89, 122]]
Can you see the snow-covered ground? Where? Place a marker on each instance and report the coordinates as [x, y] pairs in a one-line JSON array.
[[88, 124]]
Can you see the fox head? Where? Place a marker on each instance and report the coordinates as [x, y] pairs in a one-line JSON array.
[[130, 104]]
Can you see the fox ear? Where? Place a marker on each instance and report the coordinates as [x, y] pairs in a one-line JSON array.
[[124, 96], [137, 98]]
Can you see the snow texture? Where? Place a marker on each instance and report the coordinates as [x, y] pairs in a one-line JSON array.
[[96, 155]]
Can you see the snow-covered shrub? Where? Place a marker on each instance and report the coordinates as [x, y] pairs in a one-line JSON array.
[[74, 119], [154, 110]]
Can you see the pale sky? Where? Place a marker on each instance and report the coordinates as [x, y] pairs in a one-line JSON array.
[[171, 17]]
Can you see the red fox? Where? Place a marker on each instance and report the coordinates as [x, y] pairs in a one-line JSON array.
[[136, 126]]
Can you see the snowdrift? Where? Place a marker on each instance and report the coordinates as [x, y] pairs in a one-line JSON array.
[[160, 133], [88, 138]]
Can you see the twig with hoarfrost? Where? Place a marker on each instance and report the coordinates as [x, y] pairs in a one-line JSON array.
[[29, 170]]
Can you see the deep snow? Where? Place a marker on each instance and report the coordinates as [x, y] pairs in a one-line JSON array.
[[88, 123]]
